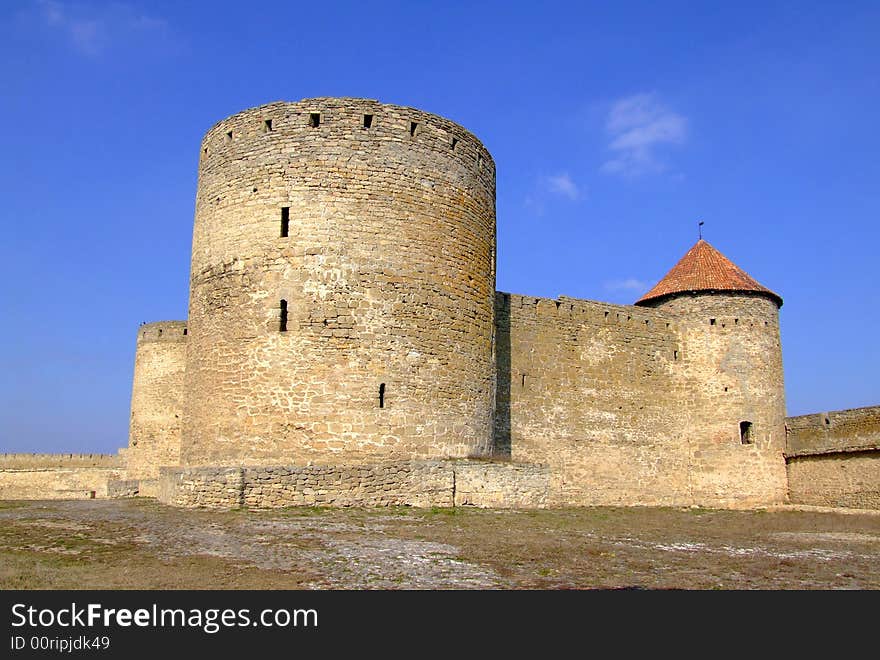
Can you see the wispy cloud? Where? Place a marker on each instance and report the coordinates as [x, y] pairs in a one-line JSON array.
[[627, 284], [561, 184], [638, 126], [93, 30]]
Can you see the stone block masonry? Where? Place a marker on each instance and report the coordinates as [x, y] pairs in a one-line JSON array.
[[156, 399], [342, 284], [635, 405], [404, 483], [57, 476], [833, 458], [345, 346]]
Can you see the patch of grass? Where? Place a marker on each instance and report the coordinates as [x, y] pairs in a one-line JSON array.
[[444, 511]]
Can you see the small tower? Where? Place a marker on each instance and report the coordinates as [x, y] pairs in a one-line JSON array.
[[731, 376]]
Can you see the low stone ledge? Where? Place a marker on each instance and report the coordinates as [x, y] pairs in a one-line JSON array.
[[501, 485], [406, 483]]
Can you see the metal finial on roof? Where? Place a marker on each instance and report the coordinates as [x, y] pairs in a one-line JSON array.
[[700, 229]]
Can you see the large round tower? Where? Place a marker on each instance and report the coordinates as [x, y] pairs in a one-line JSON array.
[[732, 374], [342, 283]]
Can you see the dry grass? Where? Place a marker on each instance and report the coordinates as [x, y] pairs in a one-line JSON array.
[[139, 544]]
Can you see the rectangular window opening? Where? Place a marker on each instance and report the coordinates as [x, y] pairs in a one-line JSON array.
[[523, 381], [267, 125], [413, 128], [745, 433], [184, 331], [674, 355], [479, 161], [381, 395], [282, 317], [229, 136], [454, 143], [285, 221], [368, 121], [314, 119], [711, 321]]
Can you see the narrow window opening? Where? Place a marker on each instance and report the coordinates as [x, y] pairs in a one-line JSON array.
[[160, 332], [606, 315], [827, 422], [91, 494], [711, 321], [413, 128], [381, 395], [523, 380], [368, 121], [736, 321], [229, 136], [454, 143], [479, 161], [745, 433], [725, 389], [282, 320], [267, 125], [285, 221], [314, 119], [206, 151], [674, 355], [184, 331]]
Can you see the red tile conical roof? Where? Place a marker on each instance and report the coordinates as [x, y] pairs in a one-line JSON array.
[[704, 268]]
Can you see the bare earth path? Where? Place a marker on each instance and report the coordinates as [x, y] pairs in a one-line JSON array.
[[140, 544]]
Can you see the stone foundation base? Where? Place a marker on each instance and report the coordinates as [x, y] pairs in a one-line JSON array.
[[405, 483]]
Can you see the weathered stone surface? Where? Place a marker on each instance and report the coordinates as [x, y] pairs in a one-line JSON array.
[[847, 479], [57, 476], [833, 458], [156, 399], [641, 405], [406, 483], [835, 431], [387, 271]]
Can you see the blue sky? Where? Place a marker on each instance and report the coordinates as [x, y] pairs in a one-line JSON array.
[[615, 127]]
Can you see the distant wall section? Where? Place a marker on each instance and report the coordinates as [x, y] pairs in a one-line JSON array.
[[57, 476], [833, 458]]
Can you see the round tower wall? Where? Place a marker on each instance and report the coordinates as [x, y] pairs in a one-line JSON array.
[[156, 399], [342, 287], [735, 408]]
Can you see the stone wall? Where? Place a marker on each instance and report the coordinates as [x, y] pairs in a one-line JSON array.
[[833, 458], [846, 479], [56, 476], [156, 399], [618, 401], [832, 432], [41, 461], [342, 284], [409, 483]]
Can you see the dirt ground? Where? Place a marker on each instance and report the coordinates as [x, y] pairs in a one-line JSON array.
[[140, 544]]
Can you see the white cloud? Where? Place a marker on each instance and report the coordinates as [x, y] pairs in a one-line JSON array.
[[627, 284], [561, 184], [92, 30], [637, 125]]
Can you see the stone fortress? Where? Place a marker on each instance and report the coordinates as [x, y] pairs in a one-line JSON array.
[[346, 346]]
